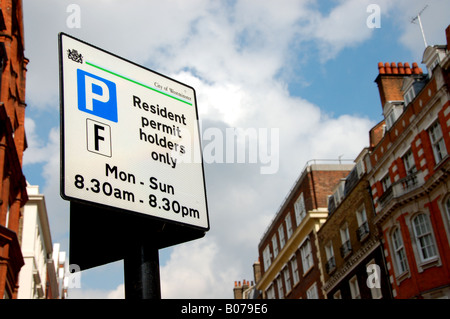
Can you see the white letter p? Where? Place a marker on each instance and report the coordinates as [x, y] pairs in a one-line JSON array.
[[90, 95]]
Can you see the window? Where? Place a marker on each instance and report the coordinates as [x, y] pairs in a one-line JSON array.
[[311, 293], [437, 142], [394, 110], [267, 257], [281, 236], [346, 247], [270, 293], [354, 288], [331, 262], [287, 279], [409, 96], [424, 238], [363, 226], [386, 182], [294, 268], [399, 252], [300, 210], [288, 222], [275, 245], [307, 258], [280, 288], [408, 161]]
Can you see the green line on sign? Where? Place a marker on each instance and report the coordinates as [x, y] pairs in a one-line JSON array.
[[138, 83]]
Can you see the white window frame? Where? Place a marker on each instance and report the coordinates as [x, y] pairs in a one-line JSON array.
[[288, 222], [312, 292], [437, 142], [386, 182], [354, 288], [361, 215], [270, 293], [287, 279], [280, 287], [345, 235], [410, 164], [401, 261], [267, 258], [425, 234], [281, 236], [306, 254], [329, 251], [275, 245], [294, 269], [300, 210]]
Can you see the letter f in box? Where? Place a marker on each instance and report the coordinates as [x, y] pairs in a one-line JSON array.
[[97, 96]]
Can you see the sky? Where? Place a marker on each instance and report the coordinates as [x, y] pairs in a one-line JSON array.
[[297, 73]]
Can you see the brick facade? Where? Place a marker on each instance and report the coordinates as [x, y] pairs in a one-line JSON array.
[[12, 143], [413, 212]]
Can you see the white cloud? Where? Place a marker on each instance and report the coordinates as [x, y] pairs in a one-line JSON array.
[[78, 293], [193, 272]]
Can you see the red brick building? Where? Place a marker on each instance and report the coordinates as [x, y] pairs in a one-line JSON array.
[[13, 194], [410, 174], [288, 251]]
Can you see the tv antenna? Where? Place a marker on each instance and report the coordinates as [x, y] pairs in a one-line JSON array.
[[420, 24]]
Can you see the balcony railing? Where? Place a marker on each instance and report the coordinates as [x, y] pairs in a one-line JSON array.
[[402, 187], [346, 249], [362, 231]]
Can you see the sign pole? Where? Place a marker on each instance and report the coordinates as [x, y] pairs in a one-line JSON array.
[[141, 270]]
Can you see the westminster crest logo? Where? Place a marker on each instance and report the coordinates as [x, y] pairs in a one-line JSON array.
[[75, 56]]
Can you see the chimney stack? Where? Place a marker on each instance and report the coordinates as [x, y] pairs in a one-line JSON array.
[[390, 79], [257, 271], [237, 290]]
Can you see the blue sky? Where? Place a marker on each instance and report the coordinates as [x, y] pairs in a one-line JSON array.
[[304, 67]]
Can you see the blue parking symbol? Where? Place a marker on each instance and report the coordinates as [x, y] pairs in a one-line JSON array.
[[97, 95]]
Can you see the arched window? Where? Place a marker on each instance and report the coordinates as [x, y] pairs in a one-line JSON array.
[[399, 251], [424, 238]]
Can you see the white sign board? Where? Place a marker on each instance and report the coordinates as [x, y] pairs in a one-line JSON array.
[[130, 137]]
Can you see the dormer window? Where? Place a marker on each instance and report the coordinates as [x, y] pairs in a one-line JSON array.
[[393, 110], [410, 95], [412, 87], [432, 56]]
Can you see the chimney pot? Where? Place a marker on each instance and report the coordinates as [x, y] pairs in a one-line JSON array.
[[407, 68], [401, 69], [388, 68], [394, 68], [381, 69]]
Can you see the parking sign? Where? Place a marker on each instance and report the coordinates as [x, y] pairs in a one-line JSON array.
[[130, 137]]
